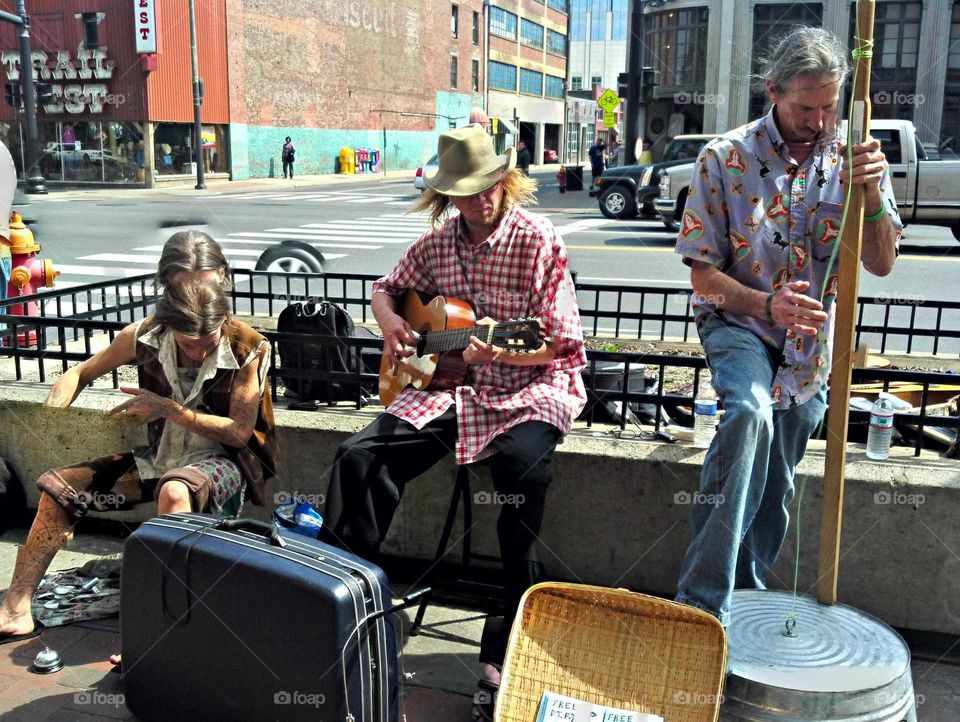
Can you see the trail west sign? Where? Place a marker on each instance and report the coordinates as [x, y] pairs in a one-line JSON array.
[[71, 96]]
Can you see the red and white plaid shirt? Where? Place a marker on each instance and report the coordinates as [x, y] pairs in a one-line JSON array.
[[520, 271]]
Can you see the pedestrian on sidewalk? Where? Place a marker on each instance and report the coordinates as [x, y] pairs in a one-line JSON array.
[[523, 157], [758, 250], [204, 397], [287, 154], [596, 154]]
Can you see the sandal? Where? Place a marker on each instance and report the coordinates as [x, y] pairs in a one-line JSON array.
[[484, 700]]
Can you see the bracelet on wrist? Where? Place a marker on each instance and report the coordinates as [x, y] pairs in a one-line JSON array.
[[876, 216], [768, 310]]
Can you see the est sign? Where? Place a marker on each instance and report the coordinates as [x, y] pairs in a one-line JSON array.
[[608, 101], [145, 21]]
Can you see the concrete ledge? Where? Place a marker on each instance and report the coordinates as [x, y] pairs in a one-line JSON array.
[[616, 514]]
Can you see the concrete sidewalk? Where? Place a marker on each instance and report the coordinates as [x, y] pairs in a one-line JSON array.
[[440, 664], [544, 173]]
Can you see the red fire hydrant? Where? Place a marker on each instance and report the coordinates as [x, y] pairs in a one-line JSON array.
[[562, 179], [29, 273]]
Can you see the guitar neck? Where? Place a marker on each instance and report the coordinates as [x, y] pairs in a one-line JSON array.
[[455, 339]]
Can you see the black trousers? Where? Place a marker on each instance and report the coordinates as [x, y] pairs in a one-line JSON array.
[[287, 167], [372, 468]]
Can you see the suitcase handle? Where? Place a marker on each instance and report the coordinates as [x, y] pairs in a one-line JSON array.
[[254, 526]]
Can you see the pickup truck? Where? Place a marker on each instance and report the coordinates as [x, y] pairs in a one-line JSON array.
[[927, 190], [625, 190]]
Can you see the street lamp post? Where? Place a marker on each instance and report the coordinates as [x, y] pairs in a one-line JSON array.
[[34, 179], [197, 99]]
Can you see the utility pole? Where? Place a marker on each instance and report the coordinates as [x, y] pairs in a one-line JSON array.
[[197, 99], [633, 120], [34, 179]]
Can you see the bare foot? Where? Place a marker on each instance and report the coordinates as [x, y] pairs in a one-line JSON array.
[[14, 623], [491, 673]]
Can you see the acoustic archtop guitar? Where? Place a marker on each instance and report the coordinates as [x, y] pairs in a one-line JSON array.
[[445, 326]]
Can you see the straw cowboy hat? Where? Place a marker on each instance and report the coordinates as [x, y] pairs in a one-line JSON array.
[[468, 163]]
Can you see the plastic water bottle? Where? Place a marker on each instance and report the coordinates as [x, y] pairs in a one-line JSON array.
[[881, 428], [704, 416]]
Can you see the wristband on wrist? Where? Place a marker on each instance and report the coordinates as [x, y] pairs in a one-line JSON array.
[[876, 216], [768, 310]]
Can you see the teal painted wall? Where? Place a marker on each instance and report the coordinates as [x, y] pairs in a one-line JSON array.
[[256, 149], [239, 157], [456, 107]]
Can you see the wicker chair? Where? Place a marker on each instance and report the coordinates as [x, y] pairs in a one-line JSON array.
[[613, 647]]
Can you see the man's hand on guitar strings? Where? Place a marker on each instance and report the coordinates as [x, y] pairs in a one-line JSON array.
[[480, 353], [399, 339]]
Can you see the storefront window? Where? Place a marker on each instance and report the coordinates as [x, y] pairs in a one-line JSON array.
[[173, 148], [90, 151]]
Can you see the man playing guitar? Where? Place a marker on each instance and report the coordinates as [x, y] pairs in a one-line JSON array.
[[506, 263]]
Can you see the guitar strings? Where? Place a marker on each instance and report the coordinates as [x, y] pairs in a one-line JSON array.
[[440, 341]]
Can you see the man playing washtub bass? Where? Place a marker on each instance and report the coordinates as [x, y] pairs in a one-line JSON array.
[[761, 222]]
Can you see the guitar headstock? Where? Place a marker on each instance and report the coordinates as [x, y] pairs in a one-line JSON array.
[[523, 334]]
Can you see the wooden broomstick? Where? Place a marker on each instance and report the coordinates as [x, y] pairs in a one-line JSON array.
[[851, 240]]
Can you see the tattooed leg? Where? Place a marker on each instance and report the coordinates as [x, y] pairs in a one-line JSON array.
[[50, 532]]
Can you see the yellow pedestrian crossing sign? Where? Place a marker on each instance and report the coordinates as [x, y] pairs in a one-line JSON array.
[[609, 100]]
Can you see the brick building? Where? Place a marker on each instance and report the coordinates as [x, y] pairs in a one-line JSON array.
[[330, 73], [385, 74], [527, 71]]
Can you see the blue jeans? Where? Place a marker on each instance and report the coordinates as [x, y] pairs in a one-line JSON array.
[[740, 517]]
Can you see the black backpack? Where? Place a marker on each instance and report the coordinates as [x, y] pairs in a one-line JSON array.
[[323, 319]]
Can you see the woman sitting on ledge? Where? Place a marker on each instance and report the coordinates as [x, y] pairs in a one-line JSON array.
[[205, 399]]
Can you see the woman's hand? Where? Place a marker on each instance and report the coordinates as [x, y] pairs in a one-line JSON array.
[[144, 407]]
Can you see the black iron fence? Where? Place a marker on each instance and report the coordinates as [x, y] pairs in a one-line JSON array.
[[70, 324], [892, 323]]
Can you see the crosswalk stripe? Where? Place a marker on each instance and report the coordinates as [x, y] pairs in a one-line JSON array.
[[231, 252], [261, 242], [71, 270], [345, 233], [316, 241], [364, 224], [153, 260]]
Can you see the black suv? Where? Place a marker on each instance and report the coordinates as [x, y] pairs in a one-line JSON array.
[[625, 190]]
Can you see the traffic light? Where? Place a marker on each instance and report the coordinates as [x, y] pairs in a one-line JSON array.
[[45, 94], [623, 84], [649, 77], [13, 94]]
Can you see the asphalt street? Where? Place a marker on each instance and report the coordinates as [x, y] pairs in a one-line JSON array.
[[363, 227]]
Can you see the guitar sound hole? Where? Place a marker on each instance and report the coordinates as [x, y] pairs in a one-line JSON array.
[[422, 331]]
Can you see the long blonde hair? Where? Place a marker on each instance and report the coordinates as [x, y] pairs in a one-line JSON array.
[[518, 190]]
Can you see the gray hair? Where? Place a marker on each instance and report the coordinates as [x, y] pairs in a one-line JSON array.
[[193, 308], [806, 51], [191, 251]]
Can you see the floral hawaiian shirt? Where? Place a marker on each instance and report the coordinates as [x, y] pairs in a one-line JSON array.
[[765, 220]]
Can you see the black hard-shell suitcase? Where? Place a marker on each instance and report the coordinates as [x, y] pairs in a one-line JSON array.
[[220, 622]]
